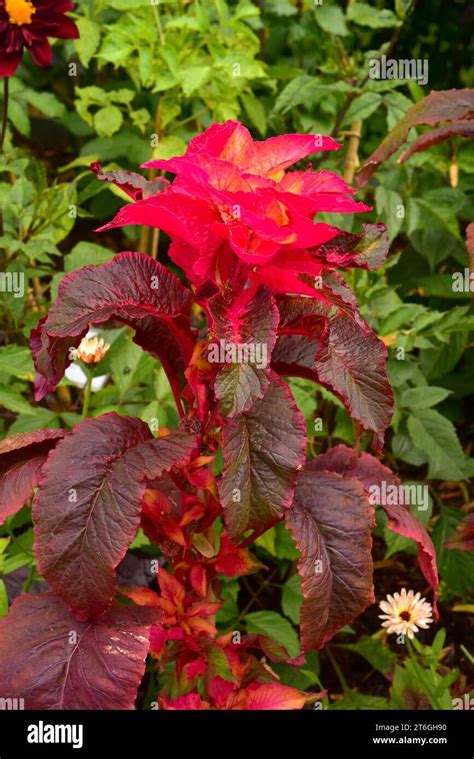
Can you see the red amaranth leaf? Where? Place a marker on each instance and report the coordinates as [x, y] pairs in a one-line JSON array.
[[463, 128], [340, 352], [133, 289], [368, 249], [135, 185], [371, 472], [53, 661], [445, 105], [331, 522], [262, 449], [21, 459], [88, 506], [249, 321]]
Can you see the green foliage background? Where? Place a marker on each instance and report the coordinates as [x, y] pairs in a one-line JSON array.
[[145, 78]]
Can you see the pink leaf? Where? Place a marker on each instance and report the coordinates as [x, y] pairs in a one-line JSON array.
[[21, 459], [53, 661], [88, 507]]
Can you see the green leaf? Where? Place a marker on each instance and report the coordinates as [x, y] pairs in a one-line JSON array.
[[436, 436], [255, 112], [46, 103], [362, 107], [331, 19], [390, 204], [108, 120], [366, 15], [13, 401], [218, 662], [274, 626], [85, 253], [3, 599], [193, 78], [292, 598], [16, 361], [424, 397], [374, 651], [89, 38]]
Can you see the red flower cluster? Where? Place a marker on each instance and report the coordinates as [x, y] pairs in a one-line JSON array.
[[232, 205], [28, 23]]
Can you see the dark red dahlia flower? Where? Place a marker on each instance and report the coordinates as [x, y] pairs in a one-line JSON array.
[[28, 23]]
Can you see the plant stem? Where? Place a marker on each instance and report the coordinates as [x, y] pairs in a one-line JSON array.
[[337, 670], [87, 394], [5, 111], [158, 22]]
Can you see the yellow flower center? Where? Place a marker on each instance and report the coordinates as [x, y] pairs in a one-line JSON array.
[[20, 11]]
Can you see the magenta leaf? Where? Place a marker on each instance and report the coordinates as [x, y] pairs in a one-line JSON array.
[[263, 450], [87, 509], [445, 105], [244, 329], [340, 352], [133, 289], [331, 522], [21, 459], [52, 661], [375, 478]]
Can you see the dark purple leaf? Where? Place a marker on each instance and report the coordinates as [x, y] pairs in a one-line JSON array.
[[87, 509], [52, 661], [368, 249], [339, 352], [247, 324], [446, 105], [331, 522], [263, 450], [463, 128], [133, 289], [371, 472], [21, 459]]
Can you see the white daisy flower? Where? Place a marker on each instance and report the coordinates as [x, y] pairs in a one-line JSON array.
[[405, 613]]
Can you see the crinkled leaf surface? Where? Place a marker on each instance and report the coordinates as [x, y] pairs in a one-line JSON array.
[[249, 321], [336, 350], [53, 661], [331, 522], [87, 509], [133, 289], [21, 459], [262, 450], [371, 472]]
